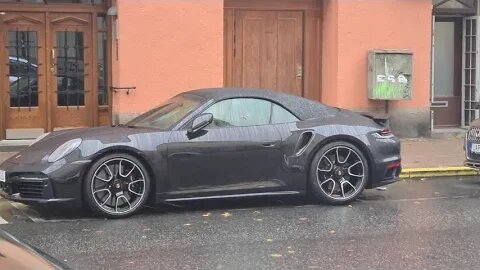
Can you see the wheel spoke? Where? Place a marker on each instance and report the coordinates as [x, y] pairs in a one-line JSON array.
[[329, 161], [353, 165], [346, 182], [103, 179], [350, 184], [110, 174], [343, 191], [109, 195], [130, 187], [329, 180], [100, 190], [345, 159], [119, 196], [120, 170]]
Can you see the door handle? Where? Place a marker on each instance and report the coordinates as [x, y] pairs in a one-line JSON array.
[[268, 144], [52, 68], [299, 71]]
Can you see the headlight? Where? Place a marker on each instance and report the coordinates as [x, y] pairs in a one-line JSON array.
[[40, 138], [64, 150]]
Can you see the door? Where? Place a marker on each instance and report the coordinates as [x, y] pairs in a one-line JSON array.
[[268, 50], [47, 70], [470, 94], [238, 153], [71, 81], [447, 72], [22, 67]]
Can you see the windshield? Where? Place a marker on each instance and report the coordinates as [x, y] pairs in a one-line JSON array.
[[167, 114]]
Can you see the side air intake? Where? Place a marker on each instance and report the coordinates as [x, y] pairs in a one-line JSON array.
[[303, 142]]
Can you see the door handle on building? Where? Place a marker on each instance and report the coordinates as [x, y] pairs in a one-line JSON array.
[[52, 68], [299, 71]]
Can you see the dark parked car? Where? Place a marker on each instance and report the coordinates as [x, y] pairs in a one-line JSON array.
[[16, 255], [472, 145], [205, 144]]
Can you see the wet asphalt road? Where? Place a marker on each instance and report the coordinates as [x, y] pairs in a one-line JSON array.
[[430, 224]]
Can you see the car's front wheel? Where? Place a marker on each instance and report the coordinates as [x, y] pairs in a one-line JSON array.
[[338, 173], [116, 186]]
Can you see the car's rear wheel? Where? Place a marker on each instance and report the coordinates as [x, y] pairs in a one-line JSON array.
[[116, 186], [338, 173]]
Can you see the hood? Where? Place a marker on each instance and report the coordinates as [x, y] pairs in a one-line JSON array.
[[43, 148], [57, 138]]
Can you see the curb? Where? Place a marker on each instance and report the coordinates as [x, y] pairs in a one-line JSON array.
[[438, 171]]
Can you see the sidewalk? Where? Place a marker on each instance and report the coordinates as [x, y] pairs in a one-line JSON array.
[[429, 157], [421, 157]]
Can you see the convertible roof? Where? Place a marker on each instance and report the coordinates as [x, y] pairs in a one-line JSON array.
[[303, 108]]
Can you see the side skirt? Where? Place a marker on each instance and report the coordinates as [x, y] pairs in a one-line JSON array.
[[234, 196]]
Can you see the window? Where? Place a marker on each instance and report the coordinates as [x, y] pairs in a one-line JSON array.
[[102, 59], [280, 115], [168, 114], [242, 112]]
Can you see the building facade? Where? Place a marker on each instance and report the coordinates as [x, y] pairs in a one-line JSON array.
[[82, 63]]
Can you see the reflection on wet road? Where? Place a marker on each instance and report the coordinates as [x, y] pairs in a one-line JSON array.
[[430, 224]]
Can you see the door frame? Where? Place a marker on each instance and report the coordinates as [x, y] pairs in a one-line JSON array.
[[312, 38], [99, 111], [477, 71], [436, 104]]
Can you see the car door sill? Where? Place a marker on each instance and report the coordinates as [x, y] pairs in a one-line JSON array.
[[234, 196]]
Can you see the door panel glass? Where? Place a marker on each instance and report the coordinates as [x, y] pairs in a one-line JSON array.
[[444, 59], [70, 69], [280, 115], [240, 112], [23, 68]]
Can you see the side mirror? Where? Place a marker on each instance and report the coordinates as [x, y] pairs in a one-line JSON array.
[[200, 122]]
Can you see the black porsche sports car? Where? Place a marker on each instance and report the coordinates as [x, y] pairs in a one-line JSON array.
[[205, 144]]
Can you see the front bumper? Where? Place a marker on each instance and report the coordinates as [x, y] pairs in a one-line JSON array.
[[472, 164], [31, 190], [34, 186]]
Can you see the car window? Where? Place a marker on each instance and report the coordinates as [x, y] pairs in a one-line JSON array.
[[280, 115], [240, 112], [168, 114]]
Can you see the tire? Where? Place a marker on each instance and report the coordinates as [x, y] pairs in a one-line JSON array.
[[116, 186], [338, 174]]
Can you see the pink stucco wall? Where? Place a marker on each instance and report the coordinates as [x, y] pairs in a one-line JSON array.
[[353, 27], [166, 47]]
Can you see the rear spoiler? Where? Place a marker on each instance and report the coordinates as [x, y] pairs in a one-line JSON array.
[[379, 118]]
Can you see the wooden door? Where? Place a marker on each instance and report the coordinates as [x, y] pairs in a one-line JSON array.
[[268, 50], [70, 80], [23, 74]]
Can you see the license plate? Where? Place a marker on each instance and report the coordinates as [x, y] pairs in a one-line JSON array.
[[2, 176], [475, 148]]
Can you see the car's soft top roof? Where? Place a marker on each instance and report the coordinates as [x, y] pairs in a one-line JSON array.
[[301, 107]]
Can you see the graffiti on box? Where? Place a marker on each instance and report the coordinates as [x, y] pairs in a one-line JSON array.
[[392, 77]]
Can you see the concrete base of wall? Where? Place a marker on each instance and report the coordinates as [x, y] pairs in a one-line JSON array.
[[410, 123], [407, 123]]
